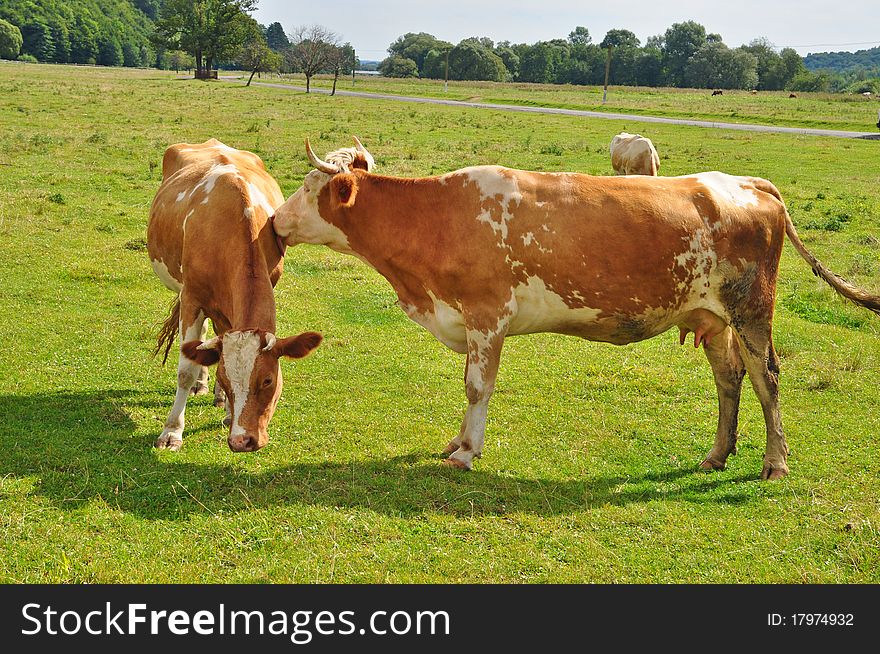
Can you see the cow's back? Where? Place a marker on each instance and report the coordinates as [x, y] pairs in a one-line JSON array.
[[213, 200]]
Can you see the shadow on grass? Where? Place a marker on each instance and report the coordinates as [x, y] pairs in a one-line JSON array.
[[84, 447]]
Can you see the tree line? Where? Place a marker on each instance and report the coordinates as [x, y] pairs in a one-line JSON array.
[[685, 55]]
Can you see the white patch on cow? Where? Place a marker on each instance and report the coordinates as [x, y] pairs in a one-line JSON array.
[[240, 350], [528, 238], [210, 179], [186, 219], [445, 322], [259, 199], [299, 221], [540, 204], [165, 275], [249, 213], [180, 196], [539, 309], [728, 188], [502, 187]]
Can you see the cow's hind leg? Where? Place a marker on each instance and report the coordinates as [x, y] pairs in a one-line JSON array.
[[484, 355], [762, 364], [201, 385], [191, 327], [727, 366]]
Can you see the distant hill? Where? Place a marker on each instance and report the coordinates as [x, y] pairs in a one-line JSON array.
[[107, 32], [840, 62]]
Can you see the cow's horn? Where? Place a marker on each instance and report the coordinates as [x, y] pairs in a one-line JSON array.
[[210, 345], [270, 341], [323, 166], [357, 144]]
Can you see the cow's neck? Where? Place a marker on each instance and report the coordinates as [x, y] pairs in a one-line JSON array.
[[393, 237]]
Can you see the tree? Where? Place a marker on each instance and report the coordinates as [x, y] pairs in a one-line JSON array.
[[83, 40], [256, 55], [397, 66], [472, 60], [681, 41], [276, 38], [37, 41], [580, 36], [715, 65], [10, 40], [510, 60], [178, 59], [616, 39], [109, 51], [342, 61], [210, 30], [310, 50], [416, 47]]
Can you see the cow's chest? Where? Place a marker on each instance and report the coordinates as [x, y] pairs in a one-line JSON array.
[[445, 322]]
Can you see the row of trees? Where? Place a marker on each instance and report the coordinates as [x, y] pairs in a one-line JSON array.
[[107, 32], [685, 55]]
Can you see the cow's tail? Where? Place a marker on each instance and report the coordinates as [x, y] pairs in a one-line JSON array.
[[858, 295], [168, 331]]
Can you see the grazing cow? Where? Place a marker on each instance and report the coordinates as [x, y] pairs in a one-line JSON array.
[[792, 95], [209, 242], [754, 92], [634, 154], [717, 92], [487, 252]]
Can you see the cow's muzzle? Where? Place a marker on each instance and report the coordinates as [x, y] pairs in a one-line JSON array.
[[244, 443]]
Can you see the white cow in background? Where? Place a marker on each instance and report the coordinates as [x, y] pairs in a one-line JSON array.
[[633, 154]]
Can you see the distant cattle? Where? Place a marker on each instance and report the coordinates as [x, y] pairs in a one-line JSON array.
[[486, 252], [792, 95], [754, 92], [634, 154], [210, 242], [717, 92]]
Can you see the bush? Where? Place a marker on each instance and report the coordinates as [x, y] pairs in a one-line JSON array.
[[396, 66], [28, 59], [10, 40]]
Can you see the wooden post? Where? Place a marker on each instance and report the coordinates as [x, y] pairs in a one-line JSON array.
[[446, 80], [607, 72]]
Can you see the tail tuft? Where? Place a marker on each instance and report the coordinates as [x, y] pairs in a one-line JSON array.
[[168, 331]]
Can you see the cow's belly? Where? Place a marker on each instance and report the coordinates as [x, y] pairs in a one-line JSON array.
[[165, 275]]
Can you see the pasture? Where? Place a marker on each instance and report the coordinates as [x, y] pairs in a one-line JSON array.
[[589, 472], [820, 110]]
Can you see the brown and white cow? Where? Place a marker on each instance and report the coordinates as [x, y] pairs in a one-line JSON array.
[[487, 252], [209, 241], [634, 154]]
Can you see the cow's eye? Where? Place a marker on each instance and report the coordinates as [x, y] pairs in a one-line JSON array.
[[267, 382]]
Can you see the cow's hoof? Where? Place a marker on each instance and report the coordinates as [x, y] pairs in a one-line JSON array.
[[774, 471], [709, 464], [168, 441], [453, 445], [199, 389], [220, 402], [457, 463]]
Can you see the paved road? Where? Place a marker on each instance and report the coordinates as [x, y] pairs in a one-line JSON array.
[[575, 112]]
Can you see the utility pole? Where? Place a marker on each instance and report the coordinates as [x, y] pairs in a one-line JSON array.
[[607, 71]]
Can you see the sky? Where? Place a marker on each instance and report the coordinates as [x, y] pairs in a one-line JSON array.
[[371, 26]]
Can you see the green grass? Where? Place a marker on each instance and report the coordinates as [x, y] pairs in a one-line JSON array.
[[819, 110], [589, 473]]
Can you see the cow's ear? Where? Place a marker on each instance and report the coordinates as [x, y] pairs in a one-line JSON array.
[[296, 347], [204, 354], [344, 189]]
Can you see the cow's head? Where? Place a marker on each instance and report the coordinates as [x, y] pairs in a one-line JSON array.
[[250, 375], [333, 184]]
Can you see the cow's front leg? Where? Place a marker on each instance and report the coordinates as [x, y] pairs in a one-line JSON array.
[[191, 325], [484, 355]]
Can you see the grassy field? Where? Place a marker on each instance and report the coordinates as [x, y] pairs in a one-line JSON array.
[[589, 473], [822, 110]]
